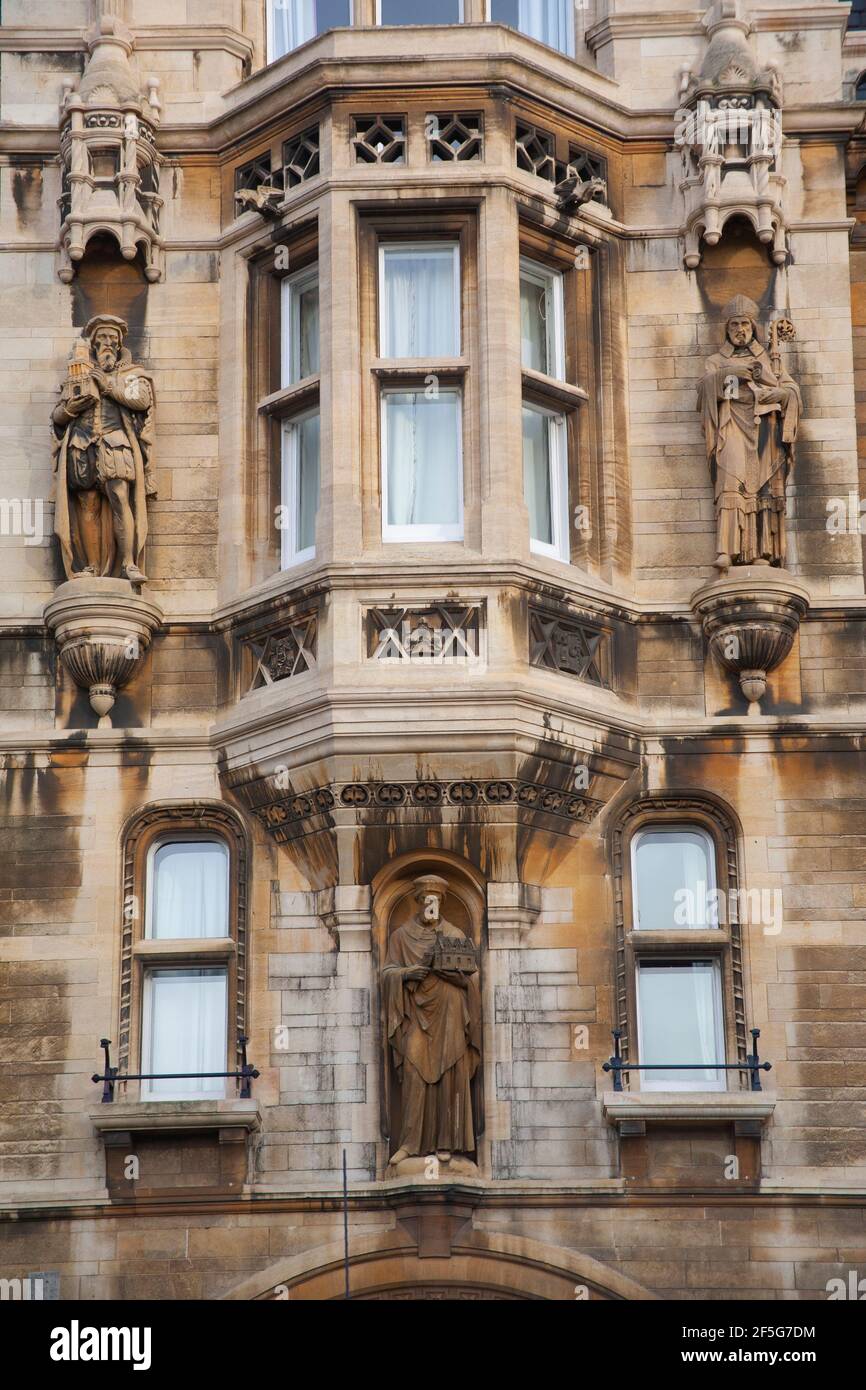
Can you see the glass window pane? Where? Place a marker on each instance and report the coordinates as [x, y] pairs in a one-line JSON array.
[[423, 459], [674, 880], [420, 12], [189, 889], [184, 1030], [419, 302], [535, 326], [294, 22], [536, 475], [307, 481], [551, 21], [306, 330], [679, 1021]]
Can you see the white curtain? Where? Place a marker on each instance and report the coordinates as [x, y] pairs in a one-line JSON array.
[[536, 475], [185, 1031], [190, 890], [551, 21], [419, 310], [294, 22], [422, 459], [678, 1022]]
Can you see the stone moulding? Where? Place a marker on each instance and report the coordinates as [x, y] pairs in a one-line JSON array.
[[749, 620], [102, 628], [108, 155]]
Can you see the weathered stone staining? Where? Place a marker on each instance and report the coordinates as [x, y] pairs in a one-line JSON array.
[[634, 656]]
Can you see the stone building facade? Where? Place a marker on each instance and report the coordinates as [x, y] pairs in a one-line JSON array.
[[406, 324]]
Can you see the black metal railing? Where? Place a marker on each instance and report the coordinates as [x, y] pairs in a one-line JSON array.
[[752, 1064], [111, 1076]]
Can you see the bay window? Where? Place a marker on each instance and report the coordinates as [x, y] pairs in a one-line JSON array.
[[419, 12], [542, 330], [545, 481], [420, 300], [549, 21], [300, 326], [419, 365], [293, 22], [545, 430], [422, 476], [300, 423], [300, 488]]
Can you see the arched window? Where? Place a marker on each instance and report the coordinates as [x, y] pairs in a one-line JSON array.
[[680, 989], [183, 951]]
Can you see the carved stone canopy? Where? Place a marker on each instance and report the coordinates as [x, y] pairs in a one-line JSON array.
[[729, 128], [110, 164]]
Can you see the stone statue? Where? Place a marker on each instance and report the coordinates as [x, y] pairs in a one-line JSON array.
[[103, 429], [750, 408], [432, 1007]]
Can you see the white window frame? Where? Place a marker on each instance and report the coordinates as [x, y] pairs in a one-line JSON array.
[[435, 532], [550, 280], [183, 839], [650, 1081], [660, 829], [293, 287], [290, 489], [557, 463], [385, 247], [146, 1091], [461, 8], [572, 37], [269, 16]]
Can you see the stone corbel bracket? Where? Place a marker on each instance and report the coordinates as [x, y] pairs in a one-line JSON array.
[[512, 909], [346, 911], [102, 628], [749, 620]]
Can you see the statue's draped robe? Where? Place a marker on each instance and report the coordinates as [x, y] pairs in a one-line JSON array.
[[749, 457], [129, 430], [434, 1030]]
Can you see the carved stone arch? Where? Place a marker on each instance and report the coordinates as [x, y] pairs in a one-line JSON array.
[[711, 812], [480, 1265], [136, 836], [392, 903]]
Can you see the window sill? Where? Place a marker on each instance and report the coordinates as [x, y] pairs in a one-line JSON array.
[[548, 390], [142, 1116], [686, 939], [186, 948], [409, 369], [291, 399], [630, 1111]]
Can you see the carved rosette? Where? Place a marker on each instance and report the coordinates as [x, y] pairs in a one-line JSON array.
[[102, 629], [749, 620]]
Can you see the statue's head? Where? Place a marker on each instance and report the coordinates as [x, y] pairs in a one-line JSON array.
[[429, 891], [106, 334], [741, 320]]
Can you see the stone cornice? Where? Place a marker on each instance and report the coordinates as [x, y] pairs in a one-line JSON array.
[[20, 38]]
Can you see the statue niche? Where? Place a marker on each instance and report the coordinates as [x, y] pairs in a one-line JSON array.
[[750, 408], [431, 1015], [103, 427]]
